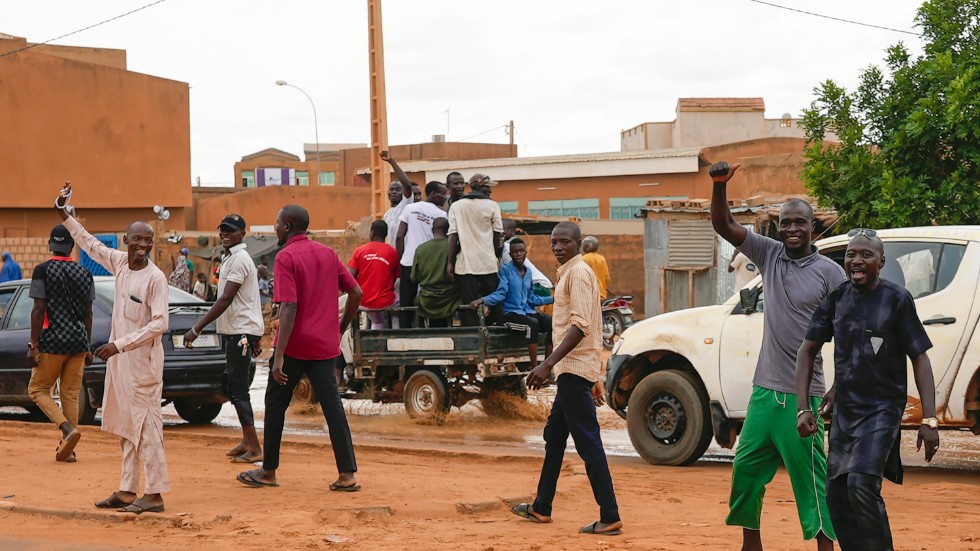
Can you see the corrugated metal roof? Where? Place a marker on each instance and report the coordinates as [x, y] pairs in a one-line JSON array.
[[435, 166]]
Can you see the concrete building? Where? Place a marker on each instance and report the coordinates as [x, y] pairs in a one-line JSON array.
[[77, 113]]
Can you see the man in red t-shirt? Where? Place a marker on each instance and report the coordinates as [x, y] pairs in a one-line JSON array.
[[375, 267], [309, 278]]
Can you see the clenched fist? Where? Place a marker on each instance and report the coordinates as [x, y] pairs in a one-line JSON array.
[[721, 172]]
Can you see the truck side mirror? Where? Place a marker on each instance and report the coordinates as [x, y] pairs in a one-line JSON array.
[[749, 300]]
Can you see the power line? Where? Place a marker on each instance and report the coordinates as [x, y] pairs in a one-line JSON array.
[[484, 132], [28, 47], [836, 18]]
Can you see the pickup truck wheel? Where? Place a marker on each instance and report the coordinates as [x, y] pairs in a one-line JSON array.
[[425, 395], [196, 413], [86, 413], [667, 419]]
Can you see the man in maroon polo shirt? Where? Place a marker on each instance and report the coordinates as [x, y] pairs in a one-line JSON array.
[[309, 278]]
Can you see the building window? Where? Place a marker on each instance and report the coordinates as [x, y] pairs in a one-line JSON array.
[[508, 207], [302, 178], [327, 178], [624, 208], [248, 178], [580, 208]]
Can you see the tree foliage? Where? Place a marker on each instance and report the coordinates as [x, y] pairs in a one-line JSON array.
[[908, 139]]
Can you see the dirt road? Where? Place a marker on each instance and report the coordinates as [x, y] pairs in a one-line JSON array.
[[415, 498]]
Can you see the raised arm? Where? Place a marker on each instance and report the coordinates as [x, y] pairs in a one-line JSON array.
[[399, 173], [110, 259], [721, 216]]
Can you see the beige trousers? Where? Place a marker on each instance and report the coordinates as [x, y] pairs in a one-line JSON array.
[[150, 450], [50, 368]]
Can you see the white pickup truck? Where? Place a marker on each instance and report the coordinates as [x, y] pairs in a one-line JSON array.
[[681, 378]]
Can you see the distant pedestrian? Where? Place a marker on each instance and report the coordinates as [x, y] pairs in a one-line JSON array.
[[414, 229], [578, 368], [61, 336], [239, 322], [745, 270], [187, 258], [265, 290], [309, 278], [591, 256], [875, 329], [475, 230], [131, 406], [181, 276], [11, 269], [201, 286]]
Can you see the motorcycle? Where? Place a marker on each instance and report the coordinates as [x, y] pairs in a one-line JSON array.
[[617, 315]]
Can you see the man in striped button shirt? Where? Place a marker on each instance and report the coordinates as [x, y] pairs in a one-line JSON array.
[[579, 372]]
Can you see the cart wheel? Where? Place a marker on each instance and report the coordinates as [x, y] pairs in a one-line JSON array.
[[425, 395]]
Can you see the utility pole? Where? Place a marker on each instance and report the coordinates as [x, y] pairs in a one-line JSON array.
[[379, 109], [510, 131]]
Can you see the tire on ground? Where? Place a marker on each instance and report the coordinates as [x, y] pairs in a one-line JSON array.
[[195, 412], [86, 413], [425, 395], [668, 419]]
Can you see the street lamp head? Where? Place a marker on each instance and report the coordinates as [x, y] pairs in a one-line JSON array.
[[280, 83]]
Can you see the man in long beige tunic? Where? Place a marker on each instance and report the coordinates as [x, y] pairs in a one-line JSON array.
[[131, 405]]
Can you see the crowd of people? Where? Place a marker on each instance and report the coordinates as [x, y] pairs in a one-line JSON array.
[[451, 258]]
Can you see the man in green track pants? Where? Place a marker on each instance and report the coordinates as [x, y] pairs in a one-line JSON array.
[[796, 278]]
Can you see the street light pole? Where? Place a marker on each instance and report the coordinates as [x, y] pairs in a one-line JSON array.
[[316, 125]]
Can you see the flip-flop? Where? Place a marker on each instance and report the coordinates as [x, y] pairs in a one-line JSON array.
[[71, 458], [247, 479], [139, 509], [524, 511], [600, 529], [68, 445], [243, 459], [235, 452], [334, 487], [111, 502]]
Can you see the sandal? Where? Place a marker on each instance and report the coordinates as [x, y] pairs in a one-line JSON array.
[[334, 487], [524, 511], [598, 528], [112, 502]]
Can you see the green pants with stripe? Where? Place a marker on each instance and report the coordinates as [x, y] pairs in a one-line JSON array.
[[769, 439]]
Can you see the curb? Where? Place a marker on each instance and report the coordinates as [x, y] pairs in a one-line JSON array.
[[71, 514]]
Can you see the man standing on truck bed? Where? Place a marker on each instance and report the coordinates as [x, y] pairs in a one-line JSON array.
[[874, 327], [796, 278]]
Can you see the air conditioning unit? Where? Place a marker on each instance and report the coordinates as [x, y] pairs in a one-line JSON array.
[[438, 138]]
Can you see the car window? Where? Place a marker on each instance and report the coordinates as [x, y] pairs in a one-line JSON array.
[[20, 314], [5, 296], [104, 289], [922, 268]]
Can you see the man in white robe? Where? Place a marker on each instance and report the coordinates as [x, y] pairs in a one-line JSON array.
[[131, 405]]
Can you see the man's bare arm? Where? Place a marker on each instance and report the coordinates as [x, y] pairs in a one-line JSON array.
[[806, 423], [453, 251], [399, 173], [721, 217], [922, 371], [400, 239]]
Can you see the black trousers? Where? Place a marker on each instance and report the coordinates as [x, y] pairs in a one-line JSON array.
[[573, 412], [858, 513], [407, 291], [472, 287], [538, 322], [238, 358], [277, 397]]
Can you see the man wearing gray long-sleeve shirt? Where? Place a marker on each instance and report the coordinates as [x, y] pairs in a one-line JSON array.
[[796, 278]]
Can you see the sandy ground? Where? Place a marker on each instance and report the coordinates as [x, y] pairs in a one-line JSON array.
[[411, 500]]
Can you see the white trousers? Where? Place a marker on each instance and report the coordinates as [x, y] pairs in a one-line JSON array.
[[150, 451]]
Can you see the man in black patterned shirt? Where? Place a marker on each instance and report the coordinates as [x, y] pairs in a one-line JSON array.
[[61, 329]]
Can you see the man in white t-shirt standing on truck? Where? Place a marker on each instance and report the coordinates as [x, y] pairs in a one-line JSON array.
[[475, 236], [240, 324], [415, 228]]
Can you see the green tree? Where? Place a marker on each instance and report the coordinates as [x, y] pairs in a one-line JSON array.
[[908, 139]]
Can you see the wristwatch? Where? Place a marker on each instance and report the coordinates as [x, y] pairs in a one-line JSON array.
[[931, 422]]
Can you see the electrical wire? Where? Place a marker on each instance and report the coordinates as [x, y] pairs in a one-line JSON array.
[[28, 47], [836, 18], [482, 133]]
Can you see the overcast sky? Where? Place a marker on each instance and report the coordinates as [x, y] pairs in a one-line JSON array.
[[570, 73]]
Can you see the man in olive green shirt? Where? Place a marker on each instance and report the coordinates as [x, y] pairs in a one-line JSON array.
[[438, 295]]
